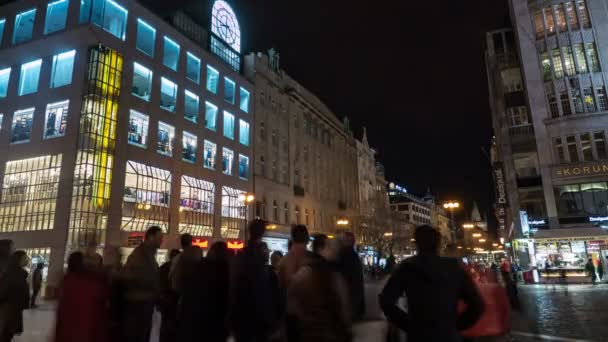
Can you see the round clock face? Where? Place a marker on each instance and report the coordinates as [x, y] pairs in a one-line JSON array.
[[225, 25]]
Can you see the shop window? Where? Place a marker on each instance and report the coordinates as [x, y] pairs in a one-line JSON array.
[[56, 16], [146, 38], [171, 54], [227, 160], [228, 125], [572, 16], [106, 14], [165, 139], [191, 103], [210, 153], [243, 166], [189, 147], [22, 126], [193, 68], [229, 90], [138, 129], [5, 75], [579, 51], [2, 23], [63, 68], [213, 78], [30, 75], [210, 116], [56, 118], [233, 204], [142, 82], [244, 132], [168, 95], [244, 100], [197, 195], [599, 141], [24, 26], [586, 200]]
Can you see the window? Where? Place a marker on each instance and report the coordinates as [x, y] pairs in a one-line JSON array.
[[30, 74], [197, 195], [297, 214], [228, 125], [138, 129], [243, 166], [55, 121], [189, 147], [244, 132], [602, 101], [578, 100], [589, 100], [572, 16], [511, 81], [580, 58], [569, 59], [229, 90], [558, 68], [553, 105], [518, 116], [600, 145], [29, 194], [538, 24], [306, 217], [584, 15], [193, 68], [546, 65], [2, 23], [565, 102], [171, 54], [168, 94], [572, 148], [191, 106], [210, 116], [63, 67], [586, 146], [106, 14], [146, 38], [549, 21], [244, 100], [286, 212], [213, 77], [594, 63], [262, 131], [262, 166], [274, 139], [24, 26], [22, 125], [166, 136], [1, 120], [227, 159], [275, 211], [142, 82], [560, 17], [5, 75], [56, 15], [275, 170], [582, 200], [209, 154]]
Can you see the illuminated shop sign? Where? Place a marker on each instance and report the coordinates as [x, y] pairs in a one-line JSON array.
[[581, 170], [598, 218], [236, 245], [537, 222], [199, 242]]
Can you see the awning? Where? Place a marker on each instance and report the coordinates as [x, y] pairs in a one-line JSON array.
[[570, 234]]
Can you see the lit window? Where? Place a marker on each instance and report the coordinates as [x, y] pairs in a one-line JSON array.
[[2, 23], [209, 154], [166, 135], [106, 14], [244, 99], [244, 132], [199, 196], [243, 166], [56, 118], [227, 159], [24, 26], [189, 147], [191, 106], [210, 116], [228, 125], [193, 68], [63, 67], [138, 129], [22, 125], [229, 90], [28, 80], [171, 54], [580, 57], [213, 77], [56, 15], [146, 38], [5, 75], [142, 82], [168, 94], [1, 120], [594, 63]]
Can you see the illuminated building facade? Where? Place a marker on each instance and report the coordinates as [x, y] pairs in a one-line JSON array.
[[113, 120]]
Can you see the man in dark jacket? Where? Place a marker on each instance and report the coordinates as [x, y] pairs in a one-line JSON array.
[[349, 266], [36, 283], [433, 286]]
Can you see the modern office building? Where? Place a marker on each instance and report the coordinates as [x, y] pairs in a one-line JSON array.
[[114, 120]]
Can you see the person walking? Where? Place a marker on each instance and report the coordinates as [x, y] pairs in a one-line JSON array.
[[14, 296], [349, 266], [216, 268], [141, 281], [433, 285], [192, 295], [82, 312], [600, 269], [174, 272], [590, 268], [297, 255], [36, 283], [168, 301]]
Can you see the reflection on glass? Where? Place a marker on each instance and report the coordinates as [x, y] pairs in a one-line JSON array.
[[189, 147], [56, 119], [213, 77], [166, 135], [138, 129], [227, 159], [22, 125], [209, 154]]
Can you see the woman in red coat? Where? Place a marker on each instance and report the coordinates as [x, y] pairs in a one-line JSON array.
[[82, 315]]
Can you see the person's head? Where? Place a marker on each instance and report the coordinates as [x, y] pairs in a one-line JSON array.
[[275, 258], [325, 247], [185, 241], [219, 252], [154, 236], [348, 239], [319, 242], [6, 249], [265, 252], [427, 239], [19, 259], [257, 229], [76, 262], [40, 266], [91, 246], [173, 253], [299, 235], [193, 254]]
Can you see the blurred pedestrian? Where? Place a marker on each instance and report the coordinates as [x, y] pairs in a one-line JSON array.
[[36, 283], [6, 250], [92, 259], [317, 298], [275, 261], [82, 313], [296, 257], [192, 295], [174, 273], [142, 287], [216, 268], [14, 296], [349, 266], [168, 301], [277, 294], [590, 268], [433, 286], [600, 269]]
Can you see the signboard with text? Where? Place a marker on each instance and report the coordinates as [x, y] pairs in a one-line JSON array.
[[588, 169]]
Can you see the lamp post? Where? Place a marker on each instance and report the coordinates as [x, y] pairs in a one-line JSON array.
[[247, 198], [451, 206]]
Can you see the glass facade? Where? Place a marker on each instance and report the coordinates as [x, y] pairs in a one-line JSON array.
[[209, 154], [191, 105], [233, 212], [138, 129], [56, 16], [227, 161], [244, 100], [29, 194], [106, 14], [168, 94], [146, 38], [5, 76], [142, 82], [189, 147], [2, 23], [197, 199], [210, 116], [228, 125], [24, 26], [55, 121], [165, 139], [63, 68], [170, 54], [22, 126], [244, 132], [213, 78], [582, 199], [229, 90], [193, 68], [243, 166], [30, 75]]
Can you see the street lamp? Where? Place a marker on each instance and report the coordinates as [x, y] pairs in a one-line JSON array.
[[388, 234], [451, 206], [342, 222], [247, 198], [468, 226]]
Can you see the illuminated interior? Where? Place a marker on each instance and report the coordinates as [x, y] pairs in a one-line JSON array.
[[233, 212], [197, 200]]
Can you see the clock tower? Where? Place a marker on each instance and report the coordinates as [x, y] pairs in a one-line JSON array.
[[225, 40]]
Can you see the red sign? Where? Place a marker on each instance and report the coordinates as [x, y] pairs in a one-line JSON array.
[[202, 243], [236, 245]]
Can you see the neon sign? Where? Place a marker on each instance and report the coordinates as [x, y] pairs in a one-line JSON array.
[[202, 243], [235, 245]]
